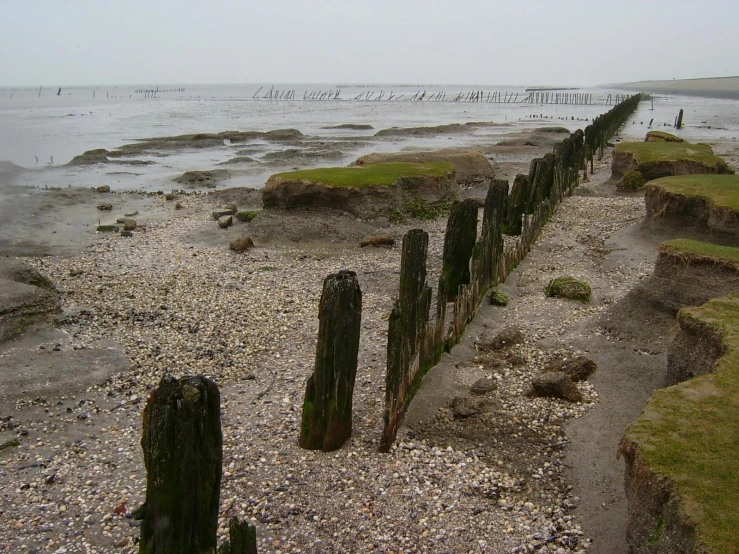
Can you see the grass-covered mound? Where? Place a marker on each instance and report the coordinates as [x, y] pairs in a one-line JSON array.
[[651, 152], [395, 189], [702, 202], [471, 166], [654, 160], [661, 136], [719, 190], [378, 175], [682, 453], [693, 250], [688, 273]]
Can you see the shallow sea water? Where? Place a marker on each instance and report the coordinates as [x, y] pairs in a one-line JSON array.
[[49, 127]]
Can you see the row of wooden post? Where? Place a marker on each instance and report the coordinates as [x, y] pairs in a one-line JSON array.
[[182, 437]]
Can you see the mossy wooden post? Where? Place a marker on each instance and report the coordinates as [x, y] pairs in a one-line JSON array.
[[242, 538], [407, 329], [496, 204], [183, 453], [327, 408], [461, 234], [517, 201]]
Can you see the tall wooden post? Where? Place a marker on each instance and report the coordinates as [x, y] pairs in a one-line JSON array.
[[327, 408], [461, 234]]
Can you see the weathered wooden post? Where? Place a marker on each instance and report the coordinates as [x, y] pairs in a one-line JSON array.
[[406, 335], [242, 538], [461, 234], [183, 453], [679, 120], [327, 408]]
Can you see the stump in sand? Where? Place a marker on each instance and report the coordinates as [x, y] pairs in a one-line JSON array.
[[183, 453], [242, 538], [327, 408]]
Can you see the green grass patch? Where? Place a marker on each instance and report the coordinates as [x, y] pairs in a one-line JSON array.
[[380, 174], [650, 152], [707, 249], [689, 433], [723, 190]]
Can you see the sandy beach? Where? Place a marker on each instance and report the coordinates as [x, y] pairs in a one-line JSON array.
[[717, 87], [538, 475]]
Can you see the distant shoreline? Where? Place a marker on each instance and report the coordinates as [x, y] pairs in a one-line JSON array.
[[713, 87]]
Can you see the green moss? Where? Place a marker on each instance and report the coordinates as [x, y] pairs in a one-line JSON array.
[[722, 190], [657, 532], [707, 249], [650, 152], [246, 216], [418, 208], [498, 298], [381, 174], [107, 228], [688, 434], [569, 287], [633, 180]]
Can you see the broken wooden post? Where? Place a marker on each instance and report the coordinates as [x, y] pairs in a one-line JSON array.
[[679, 120], [461, 234], [183, 453], [242, 538], [327, 408]]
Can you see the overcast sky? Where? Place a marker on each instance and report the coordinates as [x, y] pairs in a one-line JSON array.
[[511, 42]]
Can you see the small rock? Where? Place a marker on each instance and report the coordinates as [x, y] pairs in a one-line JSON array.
[[242, 244], [483, 386], [246, 216], [178, 206], [105, 206], [218, 214], [126, 234], [232, 208], [498, 298], [129, 225], [225, 221], [107, 228], [578, 369], [170, 196], [569, 287], [465, 406], [103, 188], [555, 385], [509, 336]]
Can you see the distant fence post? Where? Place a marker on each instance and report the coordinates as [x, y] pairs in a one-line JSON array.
[[327, 407], [183, 454]]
